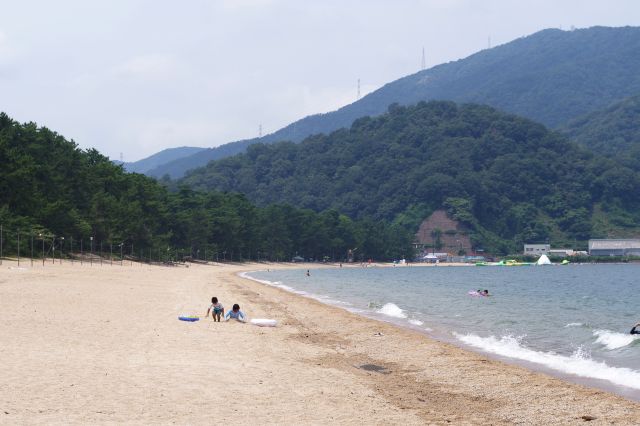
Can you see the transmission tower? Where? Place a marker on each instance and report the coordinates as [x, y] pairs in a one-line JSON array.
[[424, 61]]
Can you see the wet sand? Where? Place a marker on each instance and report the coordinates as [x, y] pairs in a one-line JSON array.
[[103, 345]]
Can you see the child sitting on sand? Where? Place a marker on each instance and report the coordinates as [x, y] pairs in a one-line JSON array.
[[216, 309], [235, 314]]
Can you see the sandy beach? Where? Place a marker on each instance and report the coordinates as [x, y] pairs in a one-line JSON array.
[[102, 344]]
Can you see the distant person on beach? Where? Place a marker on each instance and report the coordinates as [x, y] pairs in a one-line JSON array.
[[635, 330], [235, 313], [216, 309]]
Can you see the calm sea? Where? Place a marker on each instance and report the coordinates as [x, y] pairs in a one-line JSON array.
[[571, 321]]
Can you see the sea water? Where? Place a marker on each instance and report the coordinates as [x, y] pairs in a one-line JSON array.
[[572, 321]]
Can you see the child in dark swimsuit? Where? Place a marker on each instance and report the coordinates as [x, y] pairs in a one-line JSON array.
[[216, 309]]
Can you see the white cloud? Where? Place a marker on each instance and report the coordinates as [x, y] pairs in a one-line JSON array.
[[155, 67]]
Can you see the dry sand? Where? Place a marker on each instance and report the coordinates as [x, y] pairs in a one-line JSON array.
[[103, 345]]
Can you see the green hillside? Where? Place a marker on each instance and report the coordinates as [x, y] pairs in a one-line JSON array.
[[614, 131], [49, 188], [507, 178], [551, 76]]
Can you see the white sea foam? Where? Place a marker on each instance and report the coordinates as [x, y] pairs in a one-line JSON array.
[[415, 322], [612, 340], [579, 363], [392, 310], [574, 324], [278, 284]]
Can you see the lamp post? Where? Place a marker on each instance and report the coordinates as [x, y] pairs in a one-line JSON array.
[[91, 257], [61, 248]]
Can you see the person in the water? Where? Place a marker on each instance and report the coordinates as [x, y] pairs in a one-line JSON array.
[[635, 330]]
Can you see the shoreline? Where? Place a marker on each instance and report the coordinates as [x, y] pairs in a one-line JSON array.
[[442, 337], [103, 345]]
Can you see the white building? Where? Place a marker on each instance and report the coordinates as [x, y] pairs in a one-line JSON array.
[[536, 249]]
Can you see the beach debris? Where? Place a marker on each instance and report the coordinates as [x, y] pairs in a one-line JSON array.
[[374, 368], [378, 334], [588, 418]]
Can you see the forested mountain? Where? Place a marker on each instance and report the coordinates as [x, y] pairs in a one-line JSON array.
[[507, 178], [552, 76], [159, 158], [614, 131], [49, 188]]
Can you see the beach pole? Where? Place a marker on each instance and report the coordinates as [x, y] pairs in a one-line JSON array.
[[42, 238]]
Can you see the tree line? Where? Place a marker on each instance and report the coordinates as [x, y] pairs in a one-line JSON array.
[[51, 189]]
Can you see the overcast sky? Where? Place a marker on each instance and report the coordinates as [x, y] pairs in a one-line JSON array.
[[140, 76]]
